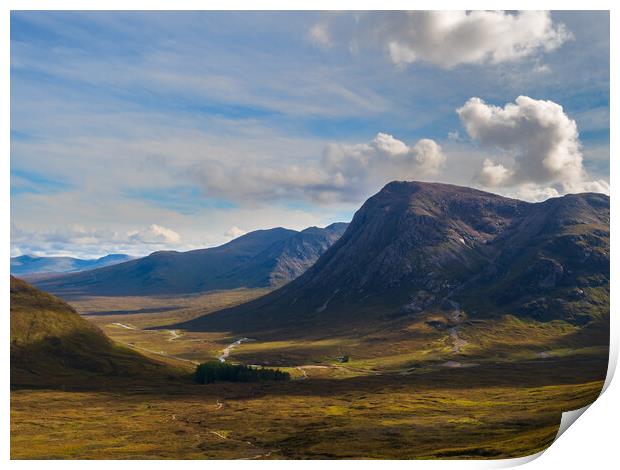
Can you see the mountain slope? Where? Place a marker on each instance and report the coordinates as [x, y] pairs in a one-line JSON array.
[[258, 259], [554, 264], [50, 343], [29, 264], [289, 258], [416, 247]]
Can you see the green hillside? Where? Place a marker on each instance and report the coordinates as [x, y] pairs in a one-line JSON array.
[[52, 345]]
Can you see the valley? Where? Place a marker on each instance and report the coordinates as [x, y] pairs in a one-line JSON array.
[[263, 234], [401, 341], [399, 395]]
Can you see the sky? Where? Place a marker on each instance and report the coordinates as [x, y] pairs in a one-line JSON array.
[[133, 132]]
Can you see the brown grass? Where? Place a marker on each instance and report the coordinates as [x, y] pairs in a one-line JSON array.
[[395, 398]]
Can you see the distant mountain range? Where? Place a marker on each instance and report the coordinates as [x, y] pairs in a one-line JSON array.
[[426, 247], [29, 264], [258, 259]]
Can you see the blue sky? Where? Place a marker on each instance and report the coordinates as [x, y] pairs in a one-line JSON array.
[[136, 131]]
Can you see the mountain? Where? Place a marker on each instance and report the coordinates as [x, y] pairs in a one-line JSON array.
[[29, 264], [52, 344], [287, 259], [421, 247], [258, 259]]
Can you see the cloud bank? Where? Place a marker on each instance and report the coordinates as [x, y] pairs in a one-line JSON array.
[[538, 146], [449, 38], [190, 122], [234, 232], [345, 172], [155, 235], [89, 241]]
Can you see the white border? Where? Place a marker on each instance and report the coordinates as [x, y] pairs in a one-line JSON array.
[[592, 443], [305, 5]]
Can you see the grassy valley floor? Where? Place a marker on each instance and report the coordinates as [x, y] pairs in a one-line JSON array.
[[490, 389]]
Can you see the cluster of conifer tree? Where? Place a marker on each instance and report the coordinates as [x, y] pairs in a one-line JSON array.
[[216, 371]]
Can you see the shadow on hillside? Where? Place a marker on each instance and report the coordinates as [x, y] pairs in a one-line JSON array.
[[83, 361], [525, 374], [531, 374], [104, 313]]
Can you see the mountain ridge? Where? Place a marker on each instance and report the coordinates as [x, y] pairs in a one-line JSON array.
[[416, 246], [31, 264], [260, 258]]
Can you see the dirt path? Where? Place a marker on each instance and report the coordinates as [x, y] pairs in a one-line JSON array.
[[263, 453], [174, 335], [158, 353], [253, 457], [122, 325], [228, 349]]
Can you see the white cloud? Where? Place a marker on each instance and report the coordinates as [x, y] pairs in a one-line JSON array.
[[234, 232], [385, 143], [541, 69], [78, 240], [155, 234], [533, 192], [454, 136], [451, 38], [31, 235], [77, 235], [538, 145], [597, 186], [319, 35], [493, 174], [428, 156], [346, 172], [383, 159]]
